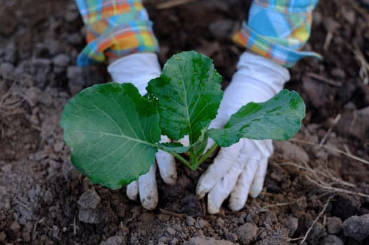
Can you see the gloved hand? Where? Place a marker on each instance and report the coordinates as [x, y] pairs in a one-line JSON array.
[[240, 169], [139, 69]]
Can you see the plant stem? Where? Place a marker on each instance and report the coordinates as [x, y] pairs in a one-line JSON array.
[[182, 160], [193, 159], [206, 155], [195, 162]]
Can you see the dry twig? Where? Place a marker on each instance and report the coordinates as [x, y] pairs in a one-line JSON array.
[[327, 173], [320, 174], [173, 3], [171, 213], [316, 219], [324, 79], [74, 226], [331, 149], [364, 66], [280, 204], [327, 41], [325, 137], [324, 179], [330, 188], [11, 101]]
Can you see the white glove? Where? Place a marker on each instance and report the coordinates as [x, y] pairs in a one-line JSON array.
[[139, 69], [241, 168]]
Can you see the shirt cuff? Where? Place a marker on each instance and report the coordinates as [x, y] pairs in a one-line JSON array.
[[269, 48], [278, 30], [115, 28], [124, 39]]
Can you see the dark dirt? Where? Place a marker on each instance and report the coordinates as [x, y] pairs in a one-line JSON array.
[[45, 201]]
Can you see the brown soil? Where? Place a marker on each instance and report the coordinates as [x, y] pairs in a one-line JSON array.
[[309, 188]]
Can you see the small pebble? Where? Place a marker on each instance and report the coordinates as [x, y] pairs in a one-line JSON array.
[[190, 221], [200, 223], [177, 227], [164, 217], [171, 231], [206, 241], [334, 225], [89, 199], [240, 221], [15, 227], [115, 240], [69, 171], [61, 60], [292, 224], [331, 240], [163, 239], [48, 197], [174, 241], [231, 236], [247, 232], [219, 222]]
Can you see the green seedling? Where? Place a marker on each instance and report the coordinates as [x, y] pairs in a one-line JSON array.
[[114, 132]]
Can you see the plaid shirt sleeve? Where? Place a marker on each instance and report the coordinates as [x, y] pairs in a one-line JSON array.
[[115, 28], [278, 29]]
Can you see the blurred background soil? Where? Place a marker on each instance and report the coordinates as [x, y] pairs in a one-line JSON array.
[[316, 192]]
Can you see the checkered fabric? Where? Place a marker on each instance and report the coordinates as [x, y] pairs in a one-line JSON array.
[[278, 29], [115, 28]]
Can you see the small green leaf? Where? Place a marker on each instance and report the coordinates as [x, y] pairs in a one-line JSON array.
[[188, 95], [173, 147], [199, 146], [278, 118], [111, 131]]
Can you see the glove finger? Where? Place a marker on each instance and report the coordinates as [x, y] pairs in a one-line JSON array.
[[132, 191], [223, 188], [227, 157], [209, 144], [166, 164], [185, 141], [258, 181], [148, 189], [241, 191], [167, 167]]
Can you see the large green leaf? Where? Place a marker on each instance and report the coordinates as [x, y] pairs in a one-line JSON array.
[[188, 95], [111, 131], [278, 118]]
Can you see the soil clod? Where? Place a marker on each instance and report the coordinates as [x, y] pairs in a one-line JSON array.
[[356, 227], [247, 233]]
